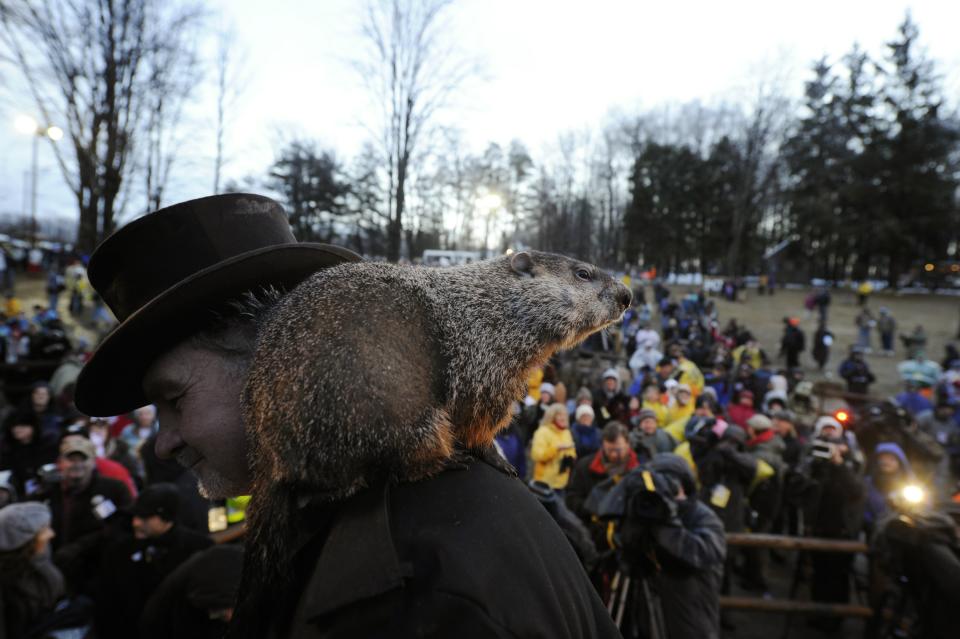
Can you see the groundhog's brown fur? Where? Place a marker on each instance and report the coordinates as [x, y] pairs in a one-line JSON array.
[[369, 367], [372, 371]]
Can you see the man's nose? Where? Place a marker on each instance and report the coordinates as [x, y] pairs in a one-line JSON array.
[[168, 440]]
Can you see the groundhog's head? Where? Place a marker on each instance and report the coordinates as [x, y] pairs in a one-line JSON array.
[[574, 298]]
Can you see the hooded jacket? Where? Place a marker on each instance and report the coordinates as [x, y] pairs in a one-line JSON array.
[[690, 549], [879, 488]]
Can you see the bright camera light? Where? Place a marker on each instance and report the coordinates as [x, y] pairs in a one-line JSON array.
[[25, 124], [913, 494], [55, 133]]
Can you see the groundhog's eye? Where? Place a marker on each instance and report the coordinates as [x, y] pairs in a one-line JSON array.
[[583, 274]]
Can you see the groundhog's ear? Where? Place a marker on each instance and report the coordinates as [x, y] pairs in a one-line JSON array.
[[522, 264]]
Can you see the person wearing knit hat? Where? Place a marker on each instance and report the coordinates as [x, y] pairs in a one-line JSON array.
[[30, 585], [22, 523], [834, 427], [586, 436], [648, 439], [609, 401], [584, 396], [548, 389], [759, 423], [533, 413]]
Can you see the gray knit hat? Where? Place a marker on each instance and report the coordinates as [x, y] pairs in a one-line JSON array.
[[19, 523]]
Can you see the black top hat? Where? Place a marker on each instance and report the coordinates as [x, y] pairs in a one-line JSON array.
[[160, 273]]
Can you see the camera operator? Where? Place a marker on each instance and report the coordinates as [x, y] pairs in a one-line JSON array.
[[834, 510], [672, 546], [917, 558]]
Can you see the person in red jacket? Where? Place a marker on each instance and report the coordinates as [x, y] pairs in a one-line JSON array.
[[742, 410]]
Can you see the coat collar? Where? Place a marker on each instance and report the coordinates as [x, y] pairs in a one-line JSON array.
[[358, 560]]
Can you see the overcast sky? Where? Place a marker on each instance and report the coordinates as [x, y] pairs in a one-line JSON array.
[[551, 66]]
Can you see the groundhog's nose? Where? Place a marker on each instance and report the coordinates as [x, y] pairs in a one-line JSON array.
[[624, 296]]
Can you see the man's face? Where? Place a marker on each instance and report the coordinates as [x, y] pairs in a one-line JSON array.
[[652, 394], [648, 426], [610, 384], [782, 426], [77, 469], [546, 398], [585, 419], [23, 433], [197, 395], [150, 526], [40, 397], [888, 463], [684, 397], [702, 411], [617, 451]]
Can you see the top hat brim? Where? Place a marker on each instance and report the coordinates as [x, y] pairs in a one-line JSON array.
[[110, 383]]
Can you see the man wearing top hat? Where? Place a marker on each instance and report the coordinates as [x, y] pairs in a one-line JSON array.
[[466, 553]]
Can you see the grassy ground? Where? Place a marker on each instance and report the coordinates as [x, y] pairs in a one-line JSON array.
[[939, 315]]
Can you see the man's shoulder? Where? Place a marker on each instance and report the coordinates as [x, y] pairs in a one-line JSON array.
[[472, 534]]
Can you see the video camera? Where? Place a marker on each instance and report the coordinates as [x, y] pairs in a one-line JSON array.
[[823, 450]]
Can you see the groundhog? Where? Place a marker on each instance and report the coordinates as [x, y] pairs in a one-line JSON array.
[[370, 371]]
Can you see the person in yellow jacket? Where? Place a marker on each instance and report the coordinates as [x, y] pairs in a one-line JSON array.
[[653, 401], [689, 373], [750, 353], [679, 412], [553, 451]]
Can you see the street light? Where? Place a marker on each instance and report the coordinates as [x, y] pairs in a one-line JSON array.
[[28, 126]]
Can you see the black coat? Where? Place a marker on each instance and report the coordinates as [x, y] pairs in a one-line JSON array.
[[181, 606], [130, 572], [73, 516], [722, 464], [691, 554], [468, 553], [25, 461]]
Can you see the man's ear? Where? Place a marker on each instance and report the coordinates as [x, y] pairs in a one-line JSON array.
[[522, 264]]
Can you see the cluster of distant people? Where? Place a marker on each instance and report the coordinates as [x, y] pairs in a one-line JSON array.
[[690, 433], [733, 443], [98, 536]]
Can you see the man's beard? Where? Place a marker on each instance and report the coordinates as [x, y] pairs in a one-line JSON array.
[[213, 485]]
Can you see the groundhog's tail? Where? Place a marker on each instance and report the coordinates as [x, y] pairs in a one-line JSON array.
[[271, 531]]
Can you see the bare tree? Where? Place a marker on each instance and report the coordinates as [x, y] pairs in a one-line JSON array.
[[411, 72], [229, 65], [172, 69], [87, 66]]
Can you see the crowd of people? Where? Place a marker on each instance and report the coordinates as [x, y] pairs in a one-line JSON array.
[[735, 441], [96, 532]]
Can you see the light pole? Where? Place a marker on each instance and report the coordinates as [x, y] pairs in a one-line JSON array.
[[28, 126]]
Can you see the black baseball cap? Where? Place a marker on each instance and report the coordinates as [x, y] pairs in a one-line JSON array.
[[162, 500]]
